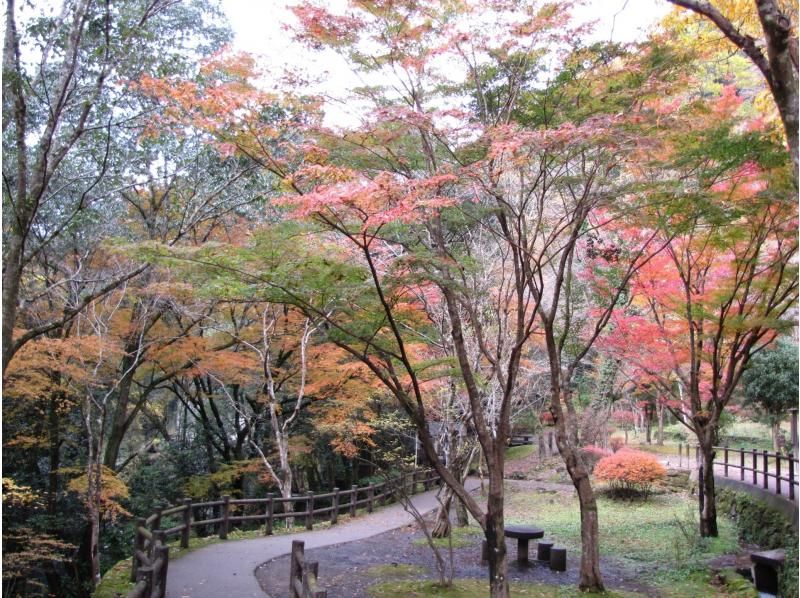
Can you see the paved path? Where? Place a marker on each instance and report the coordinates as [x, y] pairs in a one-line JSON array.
[[227, 569]]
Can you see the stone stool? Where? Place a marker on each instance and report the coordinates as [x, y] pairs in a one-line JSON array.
[[558, 558]]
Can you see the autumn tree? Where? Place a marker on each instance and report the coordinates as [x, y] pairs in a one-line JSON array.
[[723, 288], [766, 32]]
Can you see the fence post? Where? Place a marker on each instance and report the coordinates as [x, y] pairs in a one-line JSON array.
[[270, 513], [741, 463], [138, 544], [310, 569], [353, 497], [162, 552], [793, 429], [157, 521], [778, 473], [226, 513], [755, 467], [295, 566], [335, 507], [680, 455], [187, 522], [766, 468], [791, 476], [310, 510], [726, 460], [370, 497]]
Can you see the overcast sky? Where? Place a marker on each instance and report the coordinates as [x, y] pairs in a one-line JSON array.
[[258, 29]]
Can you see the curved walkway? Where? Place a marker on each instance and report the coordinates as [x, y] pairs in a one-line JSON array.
[[227, 569]]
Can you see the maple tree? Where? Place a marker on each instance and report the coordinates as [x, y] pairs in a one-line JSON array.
[[766, 32], [723, 288]]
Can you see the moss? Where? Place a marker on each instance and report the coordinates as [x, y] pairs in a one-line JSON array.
[[115, 582], [515, 453], [461, 536], [688, 582], [760, 524]]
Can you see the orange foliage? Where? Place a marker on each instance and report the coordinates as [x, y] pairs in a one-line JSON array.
[[630, 471]]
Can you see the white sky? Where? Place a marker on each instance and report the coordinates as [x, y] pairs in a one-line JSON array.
[[258, 29]]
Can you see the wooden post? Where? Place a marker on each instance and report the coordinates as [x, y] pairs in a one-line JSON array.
[[755, 466], [791, 476], [370, 497], [680, 455], [138, 544], [270, 513], [309, 570], [162, 554], [226, 513], [296, 566], [187, 522], [353, 496], [310, 511], [766, 469], [793, 430], [741, 464], [157, 521], [726, 460], [777, 473], [335, 506]]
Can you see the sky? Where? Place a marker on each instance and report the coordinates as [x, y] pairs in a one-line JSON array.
[[258, 29]]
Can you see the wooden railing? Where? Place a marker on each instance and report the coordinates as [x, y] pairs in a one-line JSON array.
[[753, 466], [149, 566], [303, 575], [150, 538]]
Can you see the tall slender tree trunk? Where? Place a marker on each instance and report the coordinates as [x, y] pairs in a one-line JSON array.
[[708, 497], [660, 438], [495, 535], [590, 576]]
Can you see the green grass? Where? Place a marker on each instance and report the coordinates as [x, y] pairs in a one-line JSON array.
[[461, 536], [395, 570], [658, 531], [516, 453], [473, 588], [690, 582]]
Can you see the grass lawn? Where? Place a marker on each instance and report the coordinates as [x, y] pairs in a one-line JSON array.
[[473, 588]]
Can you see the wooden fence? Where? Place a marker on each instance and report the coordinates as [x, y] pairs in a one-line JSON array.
[[758, 467], [150, 554], [303, 575]]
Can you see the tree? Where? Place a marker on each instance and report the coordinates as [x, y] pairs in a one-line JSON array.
[[67, 123], [770, 384], [773, 23], [723, 289]]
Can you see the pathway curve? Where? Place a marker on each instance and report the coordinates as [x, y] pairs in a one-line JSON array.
[[227, 569]]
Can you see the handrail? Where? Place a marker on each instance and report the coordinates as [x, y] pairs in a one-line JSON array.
[[148, 534], [766, 464], [303, 582]]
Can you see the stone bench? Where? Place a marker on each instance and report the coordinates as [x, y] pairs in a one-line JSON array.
[[767, 567]]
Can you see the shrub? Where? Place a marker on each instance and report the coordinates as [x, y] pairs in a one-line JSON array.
[[592, 454], [630, 473], [616, 443]]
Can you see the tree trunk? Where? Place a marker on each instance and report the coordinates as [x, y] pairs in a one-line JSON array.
[[660, 438], [590, 575], [442, 527], [495, 536], [776, 429], [462, 516], [12, 273], [708, 498]]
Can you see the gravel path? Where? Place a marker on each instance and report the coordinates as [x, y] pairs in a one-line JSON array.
[[227, 569]]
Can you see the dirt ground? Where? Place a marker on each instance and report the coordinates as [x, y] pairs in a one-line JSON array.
[[348, 570]]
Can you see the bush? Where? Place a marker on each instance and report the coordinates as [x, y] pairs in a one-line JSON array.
[[630, 473], [591, 455]]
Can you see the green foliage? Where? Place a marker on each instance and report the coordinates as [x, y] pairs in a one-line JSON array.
[[771, 381]]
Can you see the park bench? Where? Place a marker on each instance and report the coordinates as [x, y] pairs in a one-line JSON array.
[[767, 567]]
